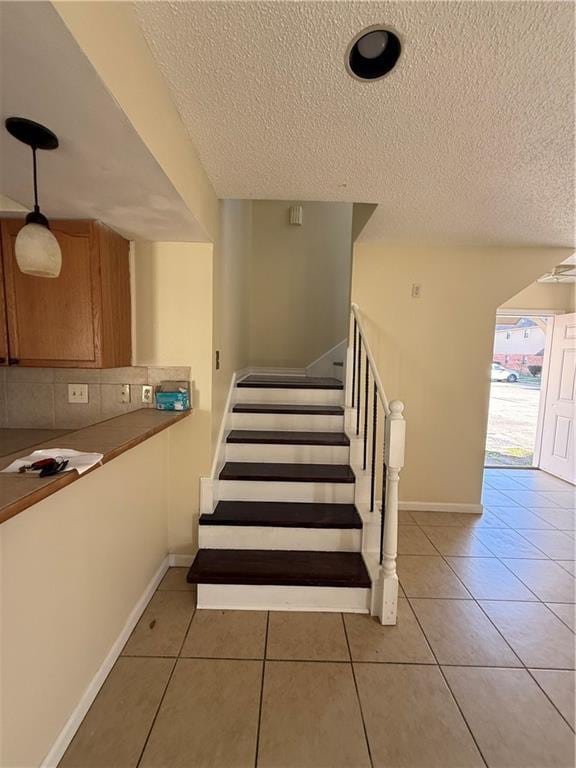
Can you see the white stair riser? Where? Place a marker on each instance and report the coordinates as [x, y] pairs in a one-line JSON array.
[[276, 598], [288, 454], [287, 422], [254, 490], [266, 537], [296, 396]]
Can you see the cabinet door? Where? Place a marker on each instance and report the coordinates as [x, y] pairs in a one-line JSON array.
[[54, 321]]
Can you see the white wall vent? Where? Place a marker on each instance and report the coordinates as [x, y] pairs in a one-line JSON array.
[[296, 215]]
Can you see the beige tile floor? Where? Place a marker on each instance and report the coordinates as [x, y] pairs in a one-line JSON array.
[[477, 672]]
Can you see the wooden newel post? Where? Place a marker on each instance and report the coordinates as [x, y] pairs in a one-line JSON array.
[[394, 442]]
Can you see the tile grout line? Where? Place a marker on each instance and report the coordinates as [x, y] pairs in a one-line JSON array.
[[546, 558], [524, 666], [351, 662], [332, 661], [175, 664], [570, 725], [156, 713], [448, 685], [262, 689], [529, 602]]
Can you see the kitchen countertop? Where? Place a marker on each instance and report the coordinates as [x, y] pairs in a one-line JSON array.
[[111, 438], [13, 439]]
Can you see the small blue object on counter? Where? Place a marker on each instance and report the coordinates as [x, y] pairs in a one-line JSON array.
[[173, 396]]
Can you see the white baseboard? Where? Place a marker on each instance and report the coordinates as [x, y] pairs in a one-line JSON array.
[[67, 733], [180, 561], [433, 506]]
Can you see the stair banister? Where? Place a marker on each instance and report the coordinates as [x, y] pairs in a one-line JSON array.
[[393, 429]]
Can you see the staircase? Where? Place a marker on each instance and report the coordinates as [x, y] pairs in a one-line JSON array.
[[285, 533], [290, 517]]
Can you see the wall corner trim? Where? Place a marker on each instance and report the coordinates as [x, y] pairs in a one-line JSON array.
[[74, 721], [434, 506]]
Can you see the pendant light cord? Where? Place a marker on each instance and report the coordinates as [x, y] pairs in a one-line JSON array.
[[36, 206]]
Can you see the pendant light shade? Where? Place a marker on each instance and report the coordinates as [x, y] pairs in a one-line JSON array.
[[37, 250]]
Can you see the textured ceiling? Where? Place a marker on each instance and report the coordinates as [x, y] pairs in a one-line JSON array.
[[102, 170], [469, 139]]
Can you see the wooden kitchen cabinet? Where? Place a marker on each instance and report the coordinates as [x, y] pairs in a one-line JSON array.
[[80, 319]]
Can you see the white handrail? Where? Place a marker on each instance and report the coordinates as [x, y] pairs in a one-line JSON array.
[[375, 374], [385, 589]]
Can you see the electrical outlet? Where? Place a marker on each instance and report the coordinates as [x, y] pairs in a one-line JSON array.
[[125, 393], [147, 393], [416, 290], [77, 393]]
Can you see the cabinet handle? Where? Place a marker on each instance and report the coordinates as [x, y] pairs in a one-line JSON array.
[[13, 361]]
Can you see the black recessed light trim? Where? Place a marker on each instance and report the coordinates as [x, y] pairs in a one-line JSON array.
[[363, 68]]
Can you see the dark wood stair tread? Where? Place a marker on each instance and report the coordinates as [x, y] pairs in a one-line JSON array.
[[269, 437], [284, 514], [308, 410], [299, 473], [256, 381], [279, 567]]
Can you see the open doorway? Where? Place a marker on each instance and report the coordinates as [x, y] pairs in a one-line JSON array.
[[515, 392]]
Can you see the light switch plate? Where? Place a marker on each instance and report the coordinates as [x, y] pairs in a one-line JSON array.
[[77, 393]]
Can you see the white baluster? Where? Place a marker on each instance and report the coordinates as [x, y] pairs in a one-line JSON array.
[[395, 438]]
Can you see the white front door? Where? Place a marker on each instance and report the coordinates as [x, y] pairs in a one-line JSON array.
[[558, 455]]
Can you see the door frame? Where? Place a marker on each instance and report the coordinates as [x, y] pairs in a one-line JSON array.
[[548, 313]]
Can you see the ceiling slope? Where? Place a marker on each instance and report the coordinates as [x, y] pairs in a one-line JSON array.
[[102, 169]]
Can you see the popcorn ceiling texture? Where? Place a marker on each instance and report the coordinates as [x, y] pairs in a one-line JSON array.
[[468, 139]]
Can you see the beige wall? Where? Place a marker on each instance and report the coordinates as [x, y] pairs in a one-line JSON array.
[[172, 314], [559, 296], [72, 569], [299, 282], [232, 252], [434, 352], [111, 38]]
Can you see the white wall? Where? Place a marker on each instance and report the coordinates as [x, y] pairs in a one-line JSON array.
[[72, 568]]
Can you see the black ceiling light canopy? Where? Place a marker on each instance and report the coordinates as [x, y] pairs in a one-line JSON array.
[[37, 250], [373, 53], [37, 137]]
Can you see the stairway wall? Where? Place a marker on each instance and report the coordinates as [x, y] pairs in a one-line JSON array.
[[299, 282]]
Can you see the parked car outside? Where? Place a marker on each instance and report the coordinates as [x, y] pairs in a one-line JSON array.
[[499, 373]]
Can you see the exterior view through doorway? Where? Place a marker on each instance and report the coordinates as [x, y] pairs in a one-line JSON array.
[[519, 365]]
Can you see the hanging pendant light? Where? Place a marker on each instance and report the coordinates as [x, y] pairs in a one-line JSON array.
[[37, 250]]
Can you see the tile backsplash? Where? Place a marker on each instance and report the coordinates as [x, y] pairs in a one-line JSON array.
[[37, 398]]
